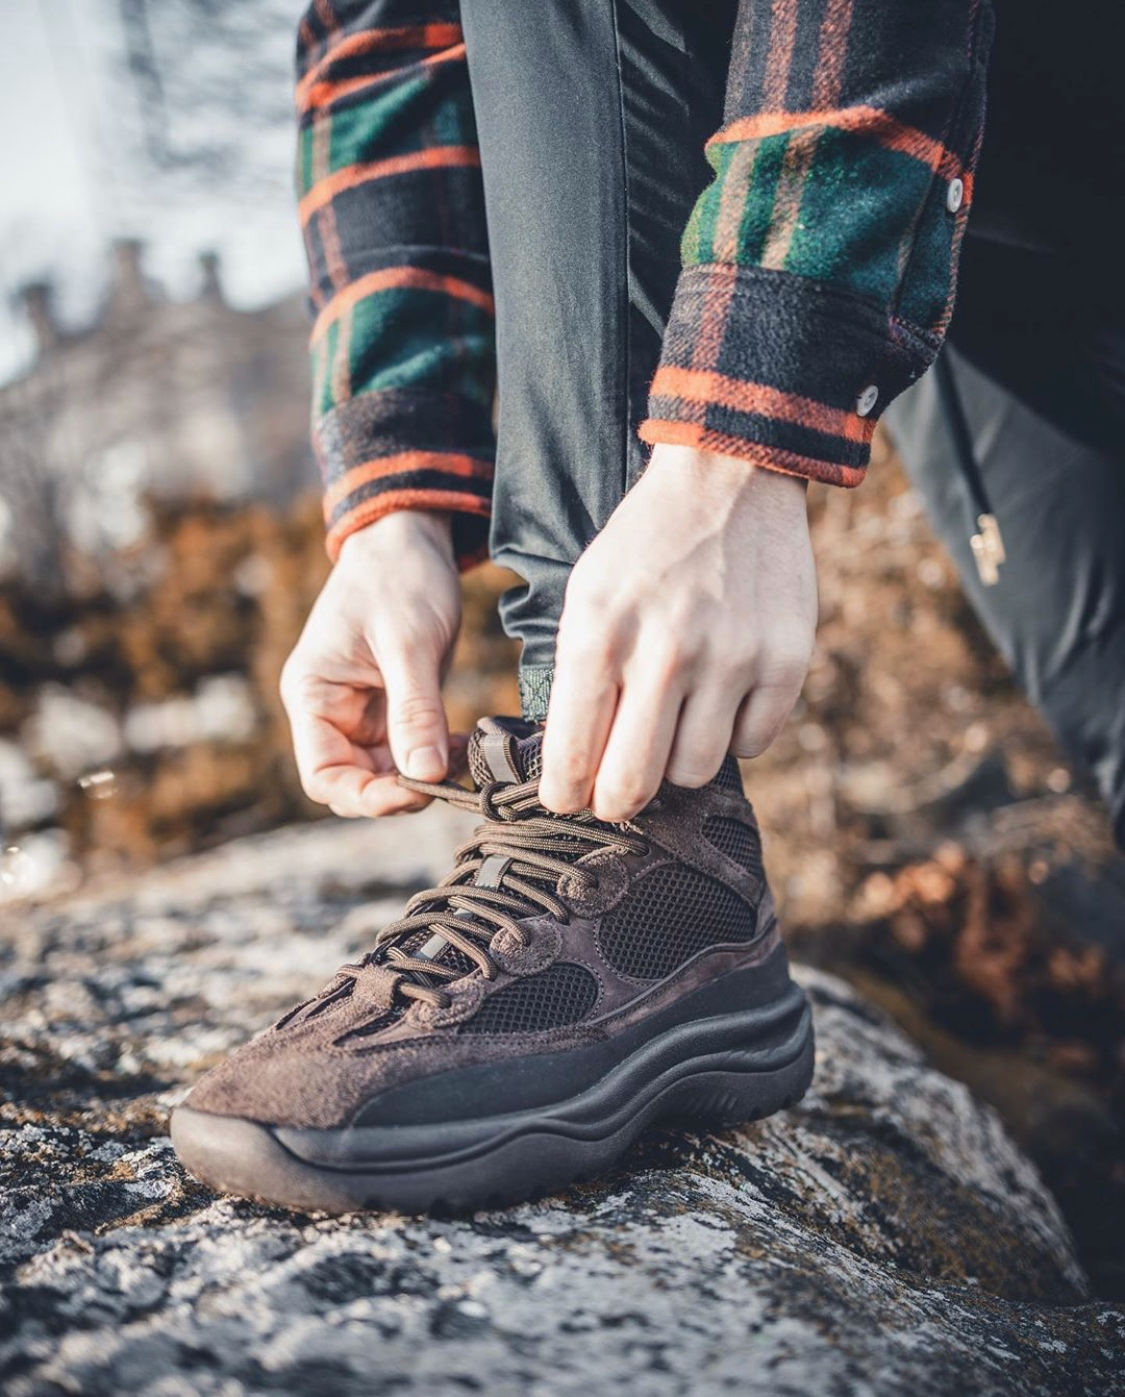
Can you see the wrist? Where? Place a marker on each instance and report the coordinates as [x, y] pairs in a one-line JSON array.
[[725, 477], [400, 531]]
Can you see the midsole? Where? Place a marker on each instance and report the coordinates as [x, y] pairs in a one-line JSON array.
[[757, 1041]]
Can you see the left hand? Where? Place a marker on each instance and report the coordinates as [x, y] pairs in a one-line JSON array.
[[686, 633]]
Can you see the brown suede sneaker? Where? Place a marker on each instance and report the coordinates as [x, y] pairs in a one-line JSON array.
[[569, 983]]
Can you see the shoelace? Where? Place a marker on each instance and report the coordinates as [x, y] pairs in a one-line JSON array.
[[537, 844]]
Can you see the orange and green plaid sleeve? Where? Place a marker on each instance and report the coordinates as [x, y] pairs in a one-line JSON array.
[[820, 263], [392, 209]]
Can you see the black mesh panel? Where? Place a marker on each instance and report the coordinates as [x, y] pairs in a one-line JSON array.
[[738, 841], [561, 994], [457, 960], [728, 777], [670, 915], [530, 755]]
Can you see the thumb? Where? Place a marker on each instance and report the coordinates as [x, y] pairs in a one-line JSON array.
[[417, 730]]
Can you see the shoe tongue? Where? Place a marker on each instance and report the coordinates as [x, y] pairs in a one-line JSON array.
[[506, 750]]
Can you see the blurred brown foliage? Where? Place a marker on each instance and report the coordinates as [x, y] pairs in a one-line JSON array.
[[227, 592]]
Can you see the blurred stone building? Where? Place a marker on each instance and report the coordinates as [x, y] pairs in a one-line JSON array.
[[156, 398], [159, 539], [161, 543]]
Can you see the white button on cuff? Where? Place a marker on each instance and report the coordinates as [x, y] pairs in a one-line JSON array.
[[954, 195], [867, 400]]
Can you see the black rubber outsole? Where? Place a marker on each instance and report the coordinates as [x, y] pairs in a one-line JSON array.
[[522, 1157]]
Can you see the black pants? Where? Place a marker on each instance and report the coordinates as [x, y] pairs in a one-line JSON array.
[[1037, 354], [592, 118]]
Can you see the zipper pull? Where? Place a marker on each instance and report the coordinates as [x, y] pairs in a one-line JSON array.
[[988, 549]]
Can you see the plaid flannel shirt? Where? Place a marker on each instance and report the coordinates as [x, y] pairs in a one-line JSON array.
[[819, 265]]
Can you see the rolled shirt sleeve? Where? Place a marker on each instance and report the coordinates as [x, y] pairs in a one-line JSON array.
[[819, 265], [392, 211]]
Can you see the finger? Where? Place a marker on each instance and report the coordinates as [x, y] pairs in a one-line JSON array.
[[417, 729], [761, 718], [317, 717], [386, 795], [352, 781], [703, 735], [583, 700], [339, 743], [636, 753]]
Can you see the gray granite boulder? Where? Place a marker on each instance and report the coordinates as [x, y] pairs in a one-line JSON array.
[[885, 1237]]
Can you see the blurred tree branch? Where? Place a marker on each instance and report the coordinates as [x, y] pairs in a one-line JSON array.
[[141, 61], [209, 80]]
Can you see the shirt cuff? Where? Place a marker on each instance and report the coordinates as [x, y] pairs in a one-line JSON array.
[[778, 369], [395, 449]]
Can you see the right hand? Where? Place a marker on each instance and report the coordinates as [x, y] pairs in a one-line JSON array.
[[686, 633], [362, 687]]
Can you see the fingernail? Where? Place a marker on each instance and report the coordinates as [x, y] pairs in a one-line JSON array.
[[425, 764]]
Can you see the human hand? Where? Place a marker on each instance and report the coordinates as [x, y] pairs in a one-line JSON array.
[[686, 633], [362, 687]]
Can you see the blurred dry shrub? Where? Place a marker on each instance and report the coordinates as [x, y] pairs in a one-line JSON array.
[[216, 591]]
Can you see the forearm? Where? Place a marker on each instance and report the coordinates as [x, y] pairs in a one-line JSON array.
[[820, 264], [392, 212]]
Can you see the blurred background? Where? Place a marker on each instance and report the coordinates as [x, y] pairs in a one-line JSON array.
[[161, 542]]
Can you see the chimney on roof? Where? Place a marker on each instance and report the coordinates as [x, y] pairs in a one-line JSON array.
[[128, 293], [212, 288], [39, 306]]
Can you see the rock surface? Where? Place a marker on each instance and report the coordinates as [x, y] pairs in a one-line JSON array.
[[884, 1237]]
